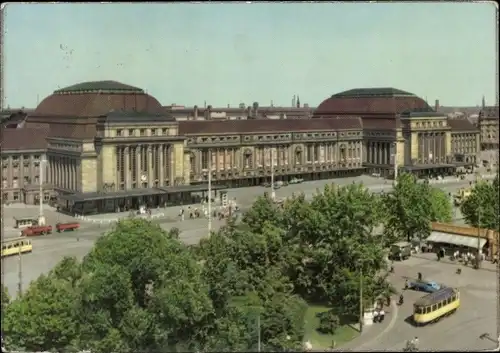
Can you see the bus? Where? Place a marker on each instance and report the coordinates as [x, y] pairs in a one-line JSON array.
[[436, 305], [16, 246]]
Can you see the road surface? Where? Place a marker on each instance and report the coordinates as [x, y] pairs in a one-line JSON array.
[[460, 331], [49, 250]]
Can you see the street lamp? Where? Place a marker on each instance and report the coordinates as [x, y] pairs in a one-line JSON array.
[[478, 256], [41, 217], [395, 155], [209, 209], [273, 194]]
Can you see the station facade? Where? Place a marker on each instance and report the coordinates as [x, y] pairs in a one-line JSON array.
[[106, 146]]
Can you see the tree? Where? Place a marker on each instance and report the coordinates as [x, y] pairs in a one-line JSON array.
[[5, 297], [410, 208], [441, 206], [481, 208], [141, 289], [43, 318], [336, 241]]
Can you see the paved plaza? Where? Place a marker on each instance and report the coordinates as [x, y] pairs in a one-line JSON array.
[[460, 331], [48, 250]]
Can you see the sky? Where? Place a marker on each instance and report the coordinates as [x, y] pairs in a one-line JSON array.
[[226, 54]]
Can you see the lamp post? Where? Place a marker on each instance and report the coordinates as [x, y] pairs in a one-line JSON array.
[[361, 308], [478, 255], [395, 155], [209, 209], [41, 217], [273, 195]]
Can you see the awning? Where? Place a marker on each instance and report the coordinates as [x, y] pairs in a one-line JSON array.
[[455, 239]]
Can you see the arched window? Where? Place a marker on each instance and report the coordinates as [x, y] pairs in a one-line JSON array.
[[192, 162], [298, 155], [248, 158], [343, 154]]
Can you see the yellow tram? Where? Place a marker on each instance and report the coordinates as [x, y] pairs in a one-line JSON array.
[[436, 305], [16, 246]]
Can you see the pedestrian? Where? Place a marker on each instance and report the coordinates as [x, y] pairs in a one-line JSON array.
[[388, 301], [381, 315], [375, 316], [419, 276]]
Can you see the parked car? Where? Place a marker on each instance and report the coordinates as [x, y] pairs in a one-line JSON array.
[[424, 286]]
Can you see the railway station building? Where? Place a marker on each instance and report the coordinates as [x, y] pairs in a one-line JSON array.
[[106, 146]]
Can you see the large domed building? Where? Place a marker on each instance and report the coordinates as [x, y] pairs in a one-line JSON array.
[[73, 111], [107, 137], [401, 131], [110, 146], [372, 102]]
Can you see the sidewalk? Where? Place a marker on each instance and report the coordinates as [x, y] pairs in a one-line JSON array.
[[372, 332], [485, 265]]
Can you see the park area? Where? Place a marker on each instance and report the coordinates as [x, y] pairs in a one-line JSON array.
[[249, 285], [343, 333]]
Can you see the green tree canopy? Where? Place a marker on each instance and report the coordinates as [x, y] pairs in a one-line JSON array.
[[410, 208], [5, 297], [141, 289], [481, 208]]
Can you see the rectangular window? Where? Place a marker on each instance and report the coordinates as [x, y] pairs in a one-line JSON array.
[[16, 196], [153, 132], [5, 196], [119, 133], [15, 183], [204, 159], [131, 132], [142, 132]]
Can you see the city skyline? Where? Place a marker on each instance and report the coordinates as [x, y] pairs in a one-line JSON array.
[[252, 52]]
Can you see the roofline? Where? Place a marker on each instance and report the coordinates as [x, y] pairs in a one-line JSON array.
[[11, 151]]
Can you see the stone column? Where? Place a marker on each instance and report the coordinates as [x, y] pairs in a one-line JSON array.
[[61, 172], [171, 156], [65, 175], [126, 166], [162, 165], [58, 170], [73, 173], [150, 165], [65, 172], [70, 174], [138, 167]]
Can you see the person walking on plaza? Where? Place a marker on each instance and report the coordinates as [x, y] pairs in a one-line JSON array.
[[381, 315]]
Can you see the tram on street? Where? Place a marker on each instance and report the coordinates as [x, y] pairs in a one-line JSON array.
[[22, 223], [434, 306], [16, 246]]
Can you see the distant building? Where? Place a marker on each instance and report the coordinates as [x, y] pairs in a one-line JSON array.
[[241, 112], [488, 124]]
